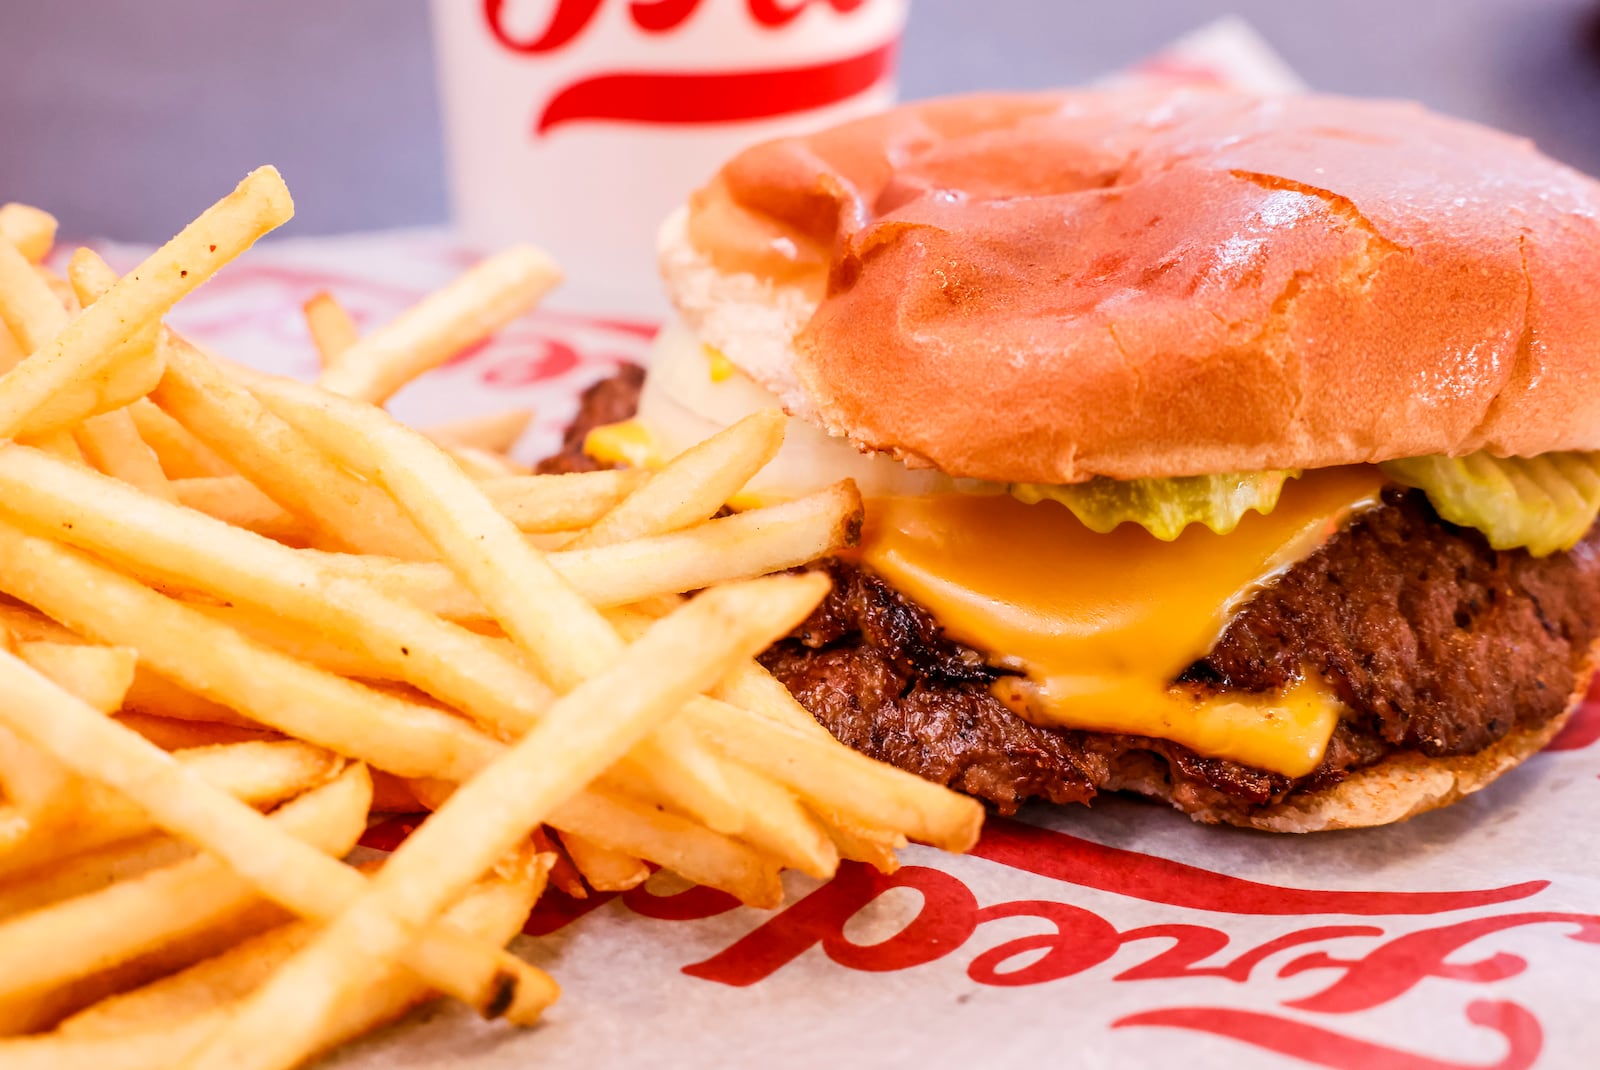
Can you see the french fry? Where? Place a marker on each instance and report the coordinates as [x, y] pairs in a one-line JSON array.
[[644, 830], [157, 696], [477, 304], [236, 501], [192, 550], [694, 484], [257, 773], [535, 504], [561, 502], [28, 308], [331, 327], [220, 664], [10, 349], [834, 778], [493, 908], [584, 732], [176, 734], [87, 346], [481, 464], [41, 1010], [182, 456], [178, 1013], [562, 637], [604, 869], [746, 544], [88, 871], [495, 432], [278, 460], [95, 932], [47, 797], [111, 442], [98, 675], [32, 230], [752, 688], [289, 874]]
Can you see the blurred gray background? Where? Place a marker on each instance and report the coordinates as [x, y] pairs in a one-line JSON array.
[[122, 115]]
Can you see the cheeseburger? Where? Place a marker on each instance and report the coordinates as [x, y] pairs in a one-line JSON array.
[[1228, 450]]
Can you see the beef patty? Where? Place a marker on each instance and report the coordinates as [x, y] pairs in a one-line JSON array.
[[1435, 643]]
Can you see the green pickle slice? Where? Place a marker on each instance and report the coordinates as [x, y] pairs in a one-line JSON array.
[[1543, 504], [1163, 507]]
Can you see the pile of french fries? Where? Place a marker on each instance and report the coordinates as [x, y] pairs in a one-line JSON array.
[[241, 615]]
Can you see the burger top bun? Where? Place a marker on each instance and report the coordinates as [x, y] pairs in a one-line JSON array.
[[1046, 288]]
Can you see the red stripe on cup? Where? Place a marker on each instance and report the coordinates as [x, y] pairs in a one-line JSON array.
[[667, 98]]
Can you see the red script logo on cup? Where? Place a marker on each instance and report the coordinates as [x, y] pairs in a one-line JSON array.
[[691, 96]]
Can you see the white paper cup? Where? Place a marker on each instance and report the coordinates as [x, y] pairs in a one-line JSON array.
[[580, 124]]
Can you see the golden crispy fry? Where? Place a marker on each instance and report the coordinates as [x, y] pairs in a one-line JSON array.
[[746, 544], [182, 455], [28, 307], [211, 406], [154, 1027], [32, 230], [282, 869], [536, 504], [583, 733], [235, 500], [87, 347], [643, 830], [471, 308], [605, 870], [560, 502], [99, 675], [693, 485], [91, 933], [562, 636], [481, 464], [156, 696], [258, 773], [111, 442], [332, 329], [175, 733], [10, 349], [218, 663], [495, 432], [88, 871], [190, 550], [493, 908], [834, 778]]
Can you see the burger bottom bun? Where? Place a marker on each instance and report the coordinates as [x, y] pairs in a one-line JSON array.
[[1396, 789]]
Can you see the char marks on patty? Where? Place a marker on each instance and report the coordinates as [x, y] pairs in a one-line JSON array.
[[1435, 642]]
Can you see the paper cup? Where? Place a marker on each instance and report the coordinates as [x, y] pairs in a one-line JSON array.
[[578, 125]]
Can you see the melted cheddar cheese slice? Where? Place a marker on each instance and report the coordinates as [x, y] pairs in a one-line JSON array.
[[1099, 625]]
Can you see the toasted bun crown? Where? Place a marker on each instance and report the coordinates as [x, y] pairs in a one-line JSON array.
[[1046, 288]]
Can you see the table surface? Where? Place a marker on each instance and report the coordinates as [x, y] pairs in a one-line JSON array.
[[124, 121]]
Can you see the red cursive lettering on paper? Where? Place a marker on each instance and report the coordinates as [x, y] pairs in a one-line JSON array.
[[718, 97], [1194, 944], [1390, 970], [1324, 1047], [948, 916], [1160, 880]]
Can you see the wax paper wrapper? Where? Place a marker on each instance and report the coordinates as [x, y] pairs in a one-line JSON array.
[[1117, 936]]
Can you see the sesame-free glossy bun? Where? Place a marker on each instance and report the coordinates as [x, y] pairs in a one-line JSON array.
[[1045, 288]]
